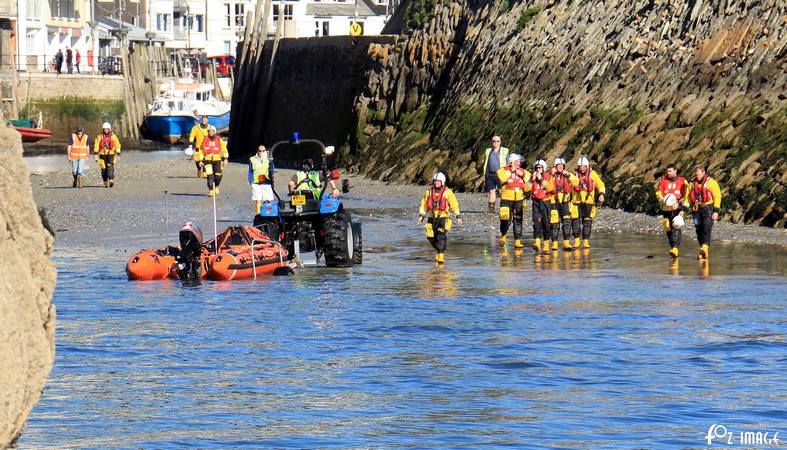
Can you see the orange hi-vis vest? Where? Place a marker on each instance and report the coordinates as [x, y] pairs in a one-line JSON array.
[[539, 191], [79, 149], [515, 181], [437, 200], [675, 188]]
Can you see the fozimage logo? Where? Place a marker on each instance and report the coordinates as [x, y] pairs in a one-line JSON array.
[[720, 435]]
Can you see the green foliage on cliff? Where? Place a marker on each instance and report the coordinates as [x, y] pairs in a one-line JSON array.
[[526, 16], [62, 115], [418, 13]]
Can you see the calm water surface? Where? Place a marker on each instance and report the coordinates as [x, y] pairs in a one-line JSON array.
[[608, 349]]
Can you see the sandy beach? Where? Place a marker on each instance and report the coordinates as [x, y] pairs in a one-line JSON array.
[[153, 196]]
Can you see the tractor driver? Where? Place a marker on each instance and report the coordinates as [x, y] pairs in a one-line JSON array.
[[309, 181]]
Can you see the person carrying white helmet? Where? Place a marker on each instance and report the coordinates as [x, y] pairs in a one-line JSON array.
[[541, 194], [588, 190], [514, 181], [197, 134], [669, 192], [212, 156], [437, 205], [107, 151], [561, 207], [495, 157]]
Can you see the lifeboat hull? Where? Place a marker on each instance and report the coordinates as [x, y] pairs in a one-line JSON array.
[[151, 265], [237, 264]]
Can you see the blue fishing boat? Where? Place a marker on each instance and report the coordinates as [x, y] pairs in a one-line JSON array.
[[179, 107]]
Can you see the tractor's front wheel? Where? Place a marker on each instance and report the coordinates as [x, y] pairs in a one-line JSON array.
[[339, 240]]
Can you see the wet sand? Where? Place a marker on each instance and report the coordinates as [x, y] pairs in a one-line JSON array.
[[153, 197]]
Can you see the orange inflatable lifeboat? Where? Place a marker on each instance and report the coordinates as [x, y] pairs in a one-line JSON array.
[[238, 253]]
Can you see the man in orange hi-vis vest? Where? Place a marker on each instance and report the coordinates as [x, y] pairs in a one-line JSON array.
[[212, 157], [78, 152]]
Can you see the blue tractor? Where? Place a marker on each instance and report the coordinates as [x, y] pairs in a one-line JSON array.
[[311, 219]]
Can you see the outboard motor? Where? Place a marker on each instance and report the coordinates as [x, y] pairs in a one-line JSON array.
[[190, 259]]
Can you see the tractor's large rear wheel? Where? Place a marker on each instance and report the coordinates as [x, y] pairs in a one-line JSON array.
[[339, 241]]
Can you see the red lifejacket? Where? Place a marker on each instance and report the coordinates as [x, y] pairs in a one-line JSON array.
[[107, 143], [585, 182], [539, 191], [562, 184], [515, 181], [211, 146], [437, 201], [676, 187], [700, 193]]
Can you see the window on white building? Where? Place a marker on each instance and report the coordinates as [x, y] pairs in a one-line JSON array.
[[227, 47], [33, 10], [31, 42], [162, 22], [198, 23], [228, 15], [63, 9], [287, 12], [240, 14]]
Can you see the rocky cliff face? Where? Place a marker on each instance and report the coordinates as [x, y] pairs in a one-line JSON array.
[[635, 85], [27, 316]]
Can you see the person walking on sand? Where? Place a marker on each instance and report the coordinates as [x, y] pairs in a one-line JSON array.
[[436, 206], [495, 157], [198, 133], [77, 60], [561, 207], [78, 152], [69, 60], [540, 193], [587, 190], [59, 61], [260, 174], [705, 201], [212, 156], [514, 182], [670, 192], [107, 153]]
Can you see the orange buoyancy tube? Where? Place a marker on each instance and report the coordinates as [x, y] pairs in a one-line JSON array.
[[237, 264], [151, 265]]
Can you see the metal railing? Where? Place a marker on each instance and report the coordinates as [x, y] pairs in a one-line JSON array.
[[253, 259]]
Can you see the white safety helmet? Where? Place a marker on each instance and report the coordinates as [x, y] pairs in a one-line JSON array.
[[106, 126], [439, 176], [583, 161], [669, 201], [678, 222], [212, 128], [541, 163], [559, 160], [189, 151], [514, 157]]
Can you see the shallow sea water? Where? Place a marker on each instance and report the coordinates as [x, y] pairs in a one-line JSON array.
[[606, 348]]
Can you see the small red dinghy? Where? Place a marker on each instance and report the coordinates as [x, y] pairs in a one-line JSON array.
[[238, 253], [33, 134]]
